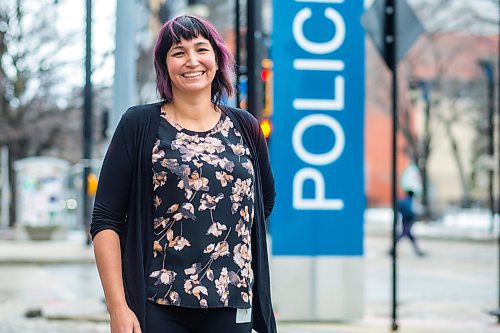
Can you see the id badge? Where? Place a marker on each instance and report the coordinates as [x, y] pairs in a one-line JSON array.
[[243, 316]]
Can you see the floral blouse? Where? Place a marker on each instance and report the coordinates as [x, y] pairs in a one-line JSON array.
[[204, 207]]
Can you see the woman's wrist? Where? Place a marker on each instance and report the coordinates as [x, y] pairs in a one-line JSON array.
[[116, 306]]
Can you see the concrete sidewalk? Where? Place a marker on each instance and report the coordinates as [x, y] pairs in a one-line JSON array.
[[69, 247], [415, 317], [69, 250], [448, 291], [466, 225]]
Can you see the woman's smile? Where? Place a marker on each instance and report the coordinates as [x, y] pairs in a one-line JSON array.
[[191, 75]]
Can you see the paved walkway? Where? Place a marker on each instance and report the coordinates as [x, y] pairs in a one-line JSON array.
[[448, 291]]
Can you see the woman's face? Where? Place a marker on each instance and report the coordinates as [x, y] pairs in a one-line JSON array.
[[192, 66]]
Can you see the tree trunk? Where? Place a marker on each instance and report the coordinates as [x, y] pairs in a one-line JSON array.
[[13, 187], [426, 150], [466, 198], [17, 151]]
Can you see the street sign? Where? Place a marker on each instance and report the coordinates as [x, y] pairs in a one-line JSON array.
[[408, 27], [317, 144], [318, 159]]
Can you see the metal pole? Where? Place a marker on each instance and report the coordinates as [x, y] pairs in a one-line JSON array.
[[487, 67], [254, 56], [498, 178], [488, 71], [498, 192], [390, 47], [87, 116], [491, 151], [124, 89], [237, 25], [492, 96], [425, 86], [491, 141], [5, 194]]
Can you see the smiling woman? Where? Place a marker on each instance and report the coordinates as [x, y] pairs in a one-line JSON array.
[[179, 216]]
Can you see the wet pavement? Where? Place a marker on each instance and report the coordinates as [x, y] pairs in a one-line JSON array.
[[67, 292], [449, 290]]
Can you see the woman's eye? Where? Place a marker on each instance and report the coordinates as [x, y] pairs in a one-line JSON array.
[[177, 54], [202, 50]]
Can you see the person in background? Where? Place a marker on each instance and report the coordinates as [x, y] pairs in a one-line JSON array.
[[178, 224], [406, 210]]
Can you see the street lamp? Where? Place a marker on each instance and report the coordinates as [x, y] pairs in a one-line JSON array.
[[87, 118]]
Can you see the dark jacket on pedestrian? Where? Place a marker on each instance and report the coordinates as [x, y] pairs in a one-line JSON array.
[[405, 208], [124, 203]]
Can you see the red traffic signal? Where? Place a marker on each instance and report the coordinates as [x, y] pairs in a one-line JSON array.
[[265, 74]]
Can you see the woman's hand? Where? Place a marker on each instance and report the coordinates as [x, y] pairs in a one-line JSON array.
[[108, 260], [124, 320]]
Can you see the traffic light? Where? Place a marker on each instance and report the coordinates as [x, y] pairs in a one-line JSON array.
[[265, 73], [265, 125], [92, 181], [266, 76]]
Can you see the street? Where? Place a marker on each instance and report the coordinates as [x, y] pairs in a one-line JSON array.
[[449, 290]]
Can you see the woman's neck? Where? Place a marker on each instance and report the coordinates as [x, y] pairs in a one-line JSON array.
[[193, 114]]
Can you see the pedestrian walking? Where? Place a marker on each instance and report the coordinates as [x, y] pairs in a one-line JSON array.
[[406, 210], [178, 224]]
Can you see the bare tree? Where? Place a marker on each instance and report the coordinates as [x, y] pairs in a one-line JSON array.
[[37, 108], [429, 70], [435, 50]]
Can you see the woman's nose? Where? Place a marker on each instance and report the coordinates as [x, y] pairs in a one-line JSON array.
[[192, 59]]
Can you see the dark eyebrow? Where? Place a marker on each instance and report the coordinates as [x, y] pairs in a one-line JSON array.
[[180, 47], [173, 48], [202, 43]]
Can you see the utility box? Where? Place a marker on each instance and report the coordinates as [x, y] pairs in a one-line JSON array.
[[41, 191]]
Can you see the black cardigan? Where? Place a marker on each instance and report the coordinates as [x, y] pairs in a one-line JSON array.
[[124, 203]]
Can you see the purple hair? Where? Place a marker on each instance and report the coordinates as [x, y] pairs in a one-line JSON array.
[[189, 27]]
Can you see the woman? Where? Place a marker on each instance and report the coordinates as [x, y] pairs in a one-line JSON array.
[[184, 191]]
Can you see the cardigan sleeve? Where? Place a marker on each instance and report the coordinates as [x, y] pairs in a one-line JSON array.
[[266, 173], [113, 191]]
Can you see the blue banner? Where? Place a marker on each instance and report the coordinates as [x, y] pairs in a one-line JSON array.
[[318, 118]]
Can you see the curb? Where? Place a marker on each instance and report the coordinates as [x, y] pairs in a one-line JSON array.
[[430, 233], [45, 261]]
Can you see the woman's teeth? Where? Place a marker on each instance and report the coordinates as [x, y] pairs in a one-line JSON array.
[[192, 74]]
